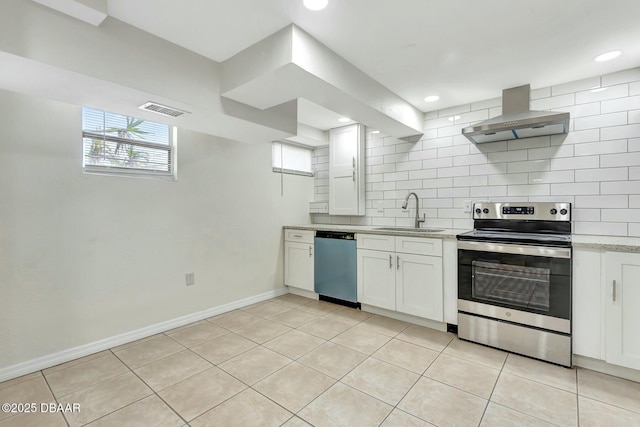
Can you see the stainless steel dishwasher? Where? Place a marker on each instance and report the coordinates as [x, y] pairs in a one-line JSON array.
[[335, 267]]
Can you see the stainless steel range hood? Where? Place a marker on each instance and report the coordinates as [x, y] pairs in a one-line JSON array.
[[517, 121]]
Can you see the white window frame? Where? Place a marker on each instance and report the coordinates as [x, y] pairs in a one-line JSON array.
[[284, 147], [124, 171]]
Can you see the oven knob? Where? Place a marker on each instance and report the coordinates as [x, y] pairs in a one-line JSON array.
[[478, 211], [485, 210], [553, 211], [563, 211]]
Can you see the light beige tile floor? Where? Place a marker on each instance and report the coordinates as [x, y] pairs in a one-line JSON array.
[[296, 362]]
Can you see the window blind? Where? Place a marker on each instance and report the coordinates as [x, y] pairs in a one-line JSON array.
[[287, 158], [118, 144]]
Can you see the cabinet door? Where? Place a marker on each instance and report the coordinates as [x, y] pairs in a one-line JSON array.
[[376, 278], [419, 286], [622, 309], [587, 318], [346, 170], [298, 265]]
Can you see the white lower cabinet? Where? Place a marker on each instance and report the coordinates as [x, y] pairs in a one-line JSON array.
[[403, 274], [298, 259], [622, 309]]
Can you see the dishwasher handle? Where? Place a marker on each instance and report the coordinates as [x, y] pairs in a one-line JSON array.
[[343, 235]]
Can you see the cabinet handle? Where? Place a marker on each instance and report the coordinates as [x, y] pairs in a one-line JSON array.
[[354, 162], [390, 261], [397, 262], [354, 176], [310, 252], [297, 235], [614, 290]]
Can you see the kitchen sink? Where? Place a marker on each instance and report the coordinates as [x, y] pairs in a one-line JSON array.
[[412, 229]]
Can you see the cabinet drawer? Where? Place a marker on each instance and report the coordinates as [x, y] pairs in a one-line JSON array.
[[419, 246], [377, 242], [303, 236]]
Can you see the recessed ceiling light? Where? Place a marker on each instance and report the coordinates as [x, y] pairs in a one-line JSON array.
[[607, 56], [454, 118], [432, 98], [375, 131], [344, 119], [315, 4]]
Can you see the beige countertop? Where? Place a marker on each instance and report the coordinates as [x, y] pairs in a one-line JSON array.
[[608, 243]]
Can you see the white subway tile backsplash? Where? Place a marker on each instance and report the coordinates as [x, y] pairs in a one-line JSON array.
[[488, 169], [610, 92], [625, 76], [602, 147], [528, 190], [528, 166], [490, 191], [471, 159], [507, 156], [576, 137], [508, 178], [586, 162], [470, 181], [576, 86], [620, 187], [603, 174], [600, 228], [577, 188], [596, 166], [601, 201], [620, 215], [585, 214], [551, 177], [553, 102], [621, 104], [456, 150], [454, 171], [600, 121], [550, 152], [623, 159]]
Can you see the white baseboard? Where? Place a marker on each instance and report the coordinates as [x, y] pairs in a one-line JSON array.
[[63, 356], [606, 368], [302, 292]]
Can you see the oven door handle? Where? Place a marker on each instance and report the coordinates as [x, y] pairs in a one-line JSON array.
[[544, 251]]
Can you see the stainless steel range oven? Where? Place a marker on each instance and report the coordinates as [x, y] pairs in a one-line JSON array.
[[514, 279]]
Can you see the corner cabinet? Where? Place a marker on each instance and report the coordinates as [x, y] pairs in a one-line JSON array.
[[346, 170], [403, 274], [622, 308], [298, 259]]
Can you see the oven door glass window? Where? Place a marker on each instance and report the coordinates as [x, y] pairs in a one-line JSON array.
[[518, 286]]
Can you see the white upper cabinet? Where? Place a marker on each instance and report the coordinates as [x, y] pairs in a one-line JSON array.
[[622, 308], [346, 170]]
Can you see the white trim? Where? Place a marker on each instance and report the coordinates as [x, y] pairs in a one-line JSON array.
[[606, 368], [63, 356], [302, 292]]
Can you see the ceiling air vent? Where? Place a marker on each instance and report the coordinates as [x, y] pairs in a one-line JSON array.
[[162, 109]]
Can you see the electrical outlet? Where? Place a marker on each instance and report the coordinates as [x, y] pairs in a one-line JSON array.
[[190, 279], [467, 206]]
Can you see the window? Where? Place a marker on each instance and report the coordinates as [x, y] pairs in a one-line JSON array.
[[122, 145], [291, 159]]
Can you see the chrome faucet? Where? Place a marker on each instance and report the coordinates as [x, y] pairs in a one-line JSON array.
[[406, 202]]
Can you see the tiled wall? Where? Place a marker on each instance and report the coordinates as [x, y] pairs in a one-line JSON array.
[[596, 166]]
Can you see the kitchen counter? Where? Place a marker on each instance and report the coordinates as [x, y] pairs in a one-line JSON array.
[[607, 243], [444, 234]]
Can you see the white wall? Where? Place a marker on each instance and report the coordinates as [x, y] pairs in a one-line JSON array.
[[596, 166], [85, 257]]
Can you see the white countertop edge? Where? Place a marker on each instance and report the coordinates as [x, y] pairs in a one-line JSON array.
[[609, 243]]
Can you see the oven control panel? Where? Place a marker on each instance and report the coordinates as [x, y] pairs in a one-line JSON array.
[[539, 211]]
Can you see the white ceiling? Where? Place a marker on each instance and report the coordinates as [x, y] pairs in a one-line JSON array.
[[462, 50]]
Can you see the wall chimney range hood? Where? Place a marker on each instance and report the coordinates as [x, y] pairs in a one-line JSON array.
[[517, 121]]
